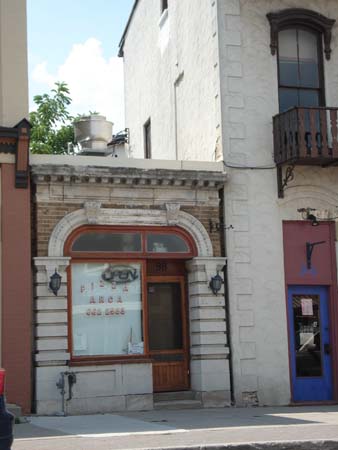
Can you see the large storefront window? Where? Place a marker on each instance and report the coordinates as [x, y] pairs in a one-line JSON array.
[[106, 309], [108, 297]]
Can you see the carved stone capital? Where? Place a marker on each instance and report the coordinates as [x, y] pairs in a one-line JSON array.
[[92, 210], [173, 210]]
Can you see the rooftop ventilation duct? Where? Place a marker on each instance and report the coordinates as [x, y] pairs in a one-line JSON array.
[[92, 134]]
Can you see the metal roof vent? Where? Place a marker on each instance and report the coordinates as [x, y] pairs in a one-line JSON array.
[[92, 134]]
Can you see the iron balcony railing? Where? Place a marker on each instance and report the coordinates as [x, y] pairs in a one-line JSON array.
[[306, 136]]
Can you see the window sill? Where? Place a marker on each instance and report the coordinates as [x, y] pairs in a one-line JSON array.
[[109, 361]]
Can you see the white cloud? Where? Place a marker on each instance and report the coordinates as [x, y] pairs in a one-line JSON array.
[[95, 83]]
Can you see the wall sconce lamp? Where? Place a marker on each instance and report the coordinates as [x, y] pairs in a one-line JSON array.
[[55, 283], [314, 220], [307, 215], [216, 283]]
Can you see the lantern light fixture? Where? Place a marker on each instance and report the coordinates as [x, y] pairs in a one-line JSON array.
[[307, 214], [55, 282], [216, 283]]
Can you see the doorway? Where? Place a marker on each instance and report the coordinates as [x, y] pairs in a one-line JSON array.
[[310, 350], [167, 333]]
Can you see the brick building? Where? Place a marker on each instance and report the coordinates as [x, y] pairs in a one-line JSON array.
[[136, 244]]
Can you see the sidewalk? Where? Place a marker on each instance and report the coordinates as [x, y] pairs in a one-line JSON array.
[[182, 429]]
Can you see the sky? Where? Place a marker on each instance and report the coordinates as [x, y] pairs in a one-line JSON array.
[[76, 41]]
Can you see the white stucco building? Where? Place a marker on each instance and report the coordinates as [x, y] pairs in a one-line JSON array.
[[203, 81]]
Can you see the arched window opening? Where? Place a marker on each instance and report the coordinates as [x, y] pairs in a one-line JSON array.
[[139, 242], [126, 285], [300, 69], [297, 36], [299, 17]]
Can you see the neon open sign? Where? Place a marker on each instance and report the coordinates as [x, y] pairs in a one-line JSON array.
[[120, 274]]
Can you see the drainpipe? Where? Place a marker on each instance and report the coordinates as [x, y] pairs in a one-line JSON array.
[[223, 229]]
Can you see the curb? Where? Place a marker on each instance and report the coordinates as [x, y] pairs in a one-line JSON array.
[[273, 445]]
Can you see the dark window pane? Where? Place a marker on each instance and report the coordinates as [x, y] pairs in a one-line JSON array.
[[166, 243], [107, 242], [288, 73], [288, 58], [165, 316], [308, 59], [308, 98], [288, 98], [309, 74], [307, 335]]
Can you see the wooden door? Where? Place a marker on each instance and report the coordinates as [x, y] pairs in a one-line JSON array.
[[167, 333]]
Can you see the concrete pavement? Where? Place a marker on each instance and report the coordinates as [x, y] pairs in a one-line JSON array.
[[241, 428]]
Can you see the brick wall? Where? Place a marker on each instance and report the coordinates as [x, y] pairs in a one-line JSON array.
[[49, 214]]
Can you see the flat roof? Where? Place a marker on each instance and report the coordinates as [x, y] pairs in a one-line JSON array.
[[130, 18], [135, 163]]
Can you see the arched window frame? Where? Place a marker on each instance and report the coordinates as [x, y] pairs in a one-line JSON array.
[[140, 258], [143, 254], [298, 17]]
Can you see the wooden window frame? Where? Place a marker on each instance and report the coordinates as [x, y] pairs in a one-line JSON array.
[[143, 254], [107, 359], [147, 139], [141, 257], [321, 88]]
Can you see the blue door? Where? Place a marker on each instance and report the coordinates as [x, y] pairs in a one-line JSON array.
[[310, 343]]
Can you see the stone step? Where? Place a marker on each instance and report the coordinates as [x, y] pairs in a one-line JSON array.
[[173, 396], [178, 404]]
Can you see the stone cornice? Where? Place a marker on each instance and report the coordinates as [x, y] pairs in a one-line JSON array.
[[42, 174], [15, 141]]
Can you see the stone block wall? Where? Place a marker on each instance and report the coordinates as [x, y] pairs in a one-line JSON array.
[[249, 92]]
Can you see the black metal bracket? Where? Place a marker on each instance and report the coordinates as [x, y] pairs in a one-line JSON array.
[[309, 250], [71, 381], [283, 182], [218, 226]]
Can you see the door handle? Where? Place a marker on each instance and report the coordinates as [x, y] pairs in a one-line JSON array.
[[327, 349]]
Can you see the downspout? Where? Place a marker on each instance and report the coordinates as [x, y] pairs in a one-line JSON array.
[[223, 229]]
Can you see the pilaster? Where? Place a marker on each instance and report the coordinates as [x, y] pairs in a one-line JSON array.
[[209, 366]]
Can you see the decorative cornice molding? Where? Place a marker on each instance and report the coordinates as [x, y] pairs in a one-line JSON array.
[[16, 141], [300, 17], [128, 217], [127, 176]]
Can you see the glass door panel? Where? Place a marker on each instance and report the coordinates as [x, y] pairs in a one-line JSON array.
[[167, 334], [165, 316], [309, 337]]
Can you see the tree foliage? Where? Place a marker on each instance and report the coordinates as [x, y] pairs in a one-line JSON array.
[[52, 125]]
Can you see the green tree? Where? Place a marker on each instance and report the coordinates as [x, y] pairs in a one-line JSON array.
[[52, 125]]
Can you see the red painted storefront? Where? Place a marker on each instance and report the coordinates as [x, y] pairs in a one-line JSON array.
[[16, 278], [323, 271]]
